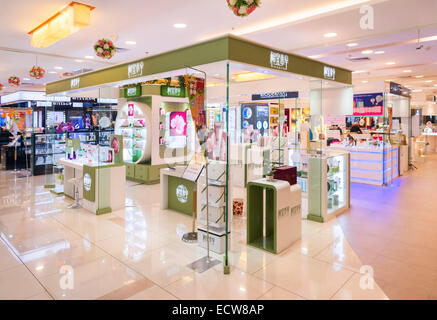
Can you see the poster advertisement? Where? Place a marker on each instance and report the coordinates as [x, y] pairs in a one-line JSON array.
[[196, 96], [178, 124], [369, 104]]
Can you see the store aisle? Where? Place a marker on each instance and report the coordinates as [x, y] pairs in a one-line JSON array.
[[394, 230], [50, 252]]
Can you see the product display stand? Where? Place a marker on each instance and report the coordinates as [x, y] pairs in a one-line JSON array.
[[273, 214]]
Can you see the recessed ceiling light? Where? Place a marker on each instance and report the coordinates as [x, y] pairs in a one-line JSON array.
[[89, 57], [52, 72], [180, 25], [330, 35], [59, 68], [379, 52], [428, 81], [352, 44], [364, 81], [131, 42], [406, 71], [419, 76], [390, 63], [367, 51]]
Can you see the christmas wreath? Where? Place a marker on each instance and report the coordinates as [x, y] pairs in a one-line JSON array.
[[243, 8], [37, 72], [105, 48], [14, 81]]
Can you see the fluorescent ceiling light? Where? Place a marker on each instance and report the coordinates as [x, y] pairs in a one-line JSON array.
[[78, 60], [251, 76], [62, 24], [364, 81], [180, 25], [330, 35], [359, 71], [435, 85], [379, 52], [390, 63], [26, 79], [89, 57], [131, 42], [352, 44], [52, 72], [417, 90], [406, 71], [419, 76], [59, 68], [428, 81], [367, 51]]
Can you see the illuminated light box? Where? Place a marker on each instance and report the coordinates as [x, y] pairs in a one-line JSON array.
[[62, 24]]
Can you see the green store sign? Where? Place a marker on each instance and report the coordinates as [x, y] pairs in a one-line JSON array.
[[132, 92], [169, 91]]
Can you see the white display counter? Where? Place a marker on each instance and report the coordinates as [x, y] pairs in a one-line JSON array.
[[430, 142], [370, 165], [102, 186], [273, 214]]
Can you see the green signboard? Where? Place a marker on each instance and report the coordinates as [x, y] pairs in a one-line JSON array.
[[181, 195], [131, 92], [170, 91], [89, 183]]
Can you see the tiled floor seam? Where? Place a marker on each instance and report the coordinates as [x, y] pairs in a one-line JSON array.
[[36, 278], [341, 287], [120, 261]]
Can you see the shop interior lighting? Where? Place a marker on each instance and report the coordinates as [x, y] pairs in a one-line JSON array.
[[70, 19], [251, 76]]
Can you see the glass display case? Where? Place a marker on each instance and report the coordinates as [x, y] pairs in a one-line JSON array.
[[324, 180], [47, 150]]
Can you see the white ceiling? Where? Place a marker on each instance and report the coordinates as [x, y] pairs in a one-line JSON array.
[[291, 25]]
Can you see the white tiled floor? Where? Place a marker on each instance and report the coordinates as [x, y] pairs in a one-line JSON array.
[[136, 253]]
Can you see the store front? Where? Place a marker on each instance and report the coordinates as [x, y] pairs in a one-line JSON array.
[[256, 115]]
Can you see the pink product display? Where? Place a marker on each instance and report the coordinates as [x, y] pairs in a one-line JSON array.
[[178, 124]]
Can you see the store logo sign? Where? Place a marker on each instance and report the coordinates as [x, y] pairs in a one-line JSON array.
[[74, 83], [87, 182], [287, 211], [329, 73], [182, 193], [174, 91], [279, 60], [135, 69]]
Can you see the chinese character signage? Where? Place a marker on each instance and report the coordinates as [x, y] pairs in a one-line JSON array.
[[369, 104], [278, 60]]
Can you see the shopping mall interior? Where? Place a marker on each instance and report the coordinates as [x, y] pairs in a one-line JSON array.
[[218, 150]]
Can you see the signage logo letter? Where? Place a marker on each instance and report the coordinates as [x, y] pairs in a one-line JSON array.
[[135, 70], [278, 60], [367, 20], [74, 83], [182, 193], [329, 73]]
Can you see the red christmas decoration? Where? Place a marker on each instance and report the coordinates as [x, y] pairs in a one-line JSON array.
[[37, 72], [14, 81]]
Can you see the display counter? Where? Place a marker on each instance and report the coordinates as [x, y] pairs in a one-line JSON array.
[[273, 214], [102, 184], [371, 165], [177, 193], [430, 142]]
